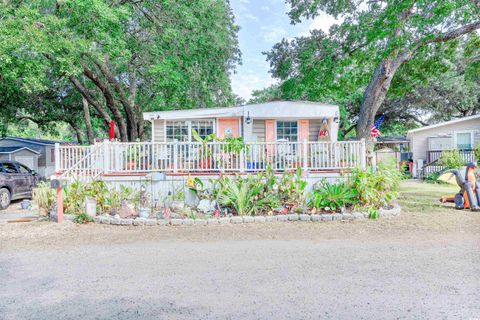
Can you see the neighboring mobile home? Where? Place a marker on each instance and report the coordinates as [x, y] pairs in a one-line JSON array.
[[45, 148], [24, 155], [428, 143], [290, 121]]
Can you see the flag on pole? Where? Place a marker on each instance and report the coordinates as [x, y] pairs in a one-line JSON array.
[[375, 131]]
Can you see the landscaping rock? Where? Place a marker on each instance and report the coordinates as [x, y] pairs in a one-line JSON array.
[[188, 222], [236, 219], [104, 220], [248, 219], [315, 217], [282, 217], [212, 221], [357, 215], [326, 217], [305, 217], [337, 216], [271, 218], [126, 222], [116, 221], [348, 216], [200, 222], [224, 220], [176, 222], [150, 222], [139, 222], [206, 206], [293, 217], [162, 222], [259, 219]]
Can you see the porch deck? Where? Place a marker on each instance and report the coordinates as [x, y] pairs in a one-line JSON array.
[[173, 158]]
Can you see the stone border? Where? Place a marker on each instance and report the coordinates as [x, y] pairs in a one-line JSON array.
[[395, 211]]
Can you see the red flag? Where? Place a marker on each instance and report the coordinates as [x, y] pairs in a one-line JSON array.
[[112, 130]]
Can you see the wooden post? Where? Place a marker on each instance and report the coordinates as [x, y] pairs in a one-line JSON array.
[[363, 154], [59, 205]]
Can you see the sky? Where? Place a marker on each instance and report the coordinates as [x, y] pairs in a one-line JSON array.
[[262, 24]]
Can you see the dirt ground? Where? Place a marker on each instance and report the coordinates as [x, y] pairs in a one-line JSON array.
[[423, 264]]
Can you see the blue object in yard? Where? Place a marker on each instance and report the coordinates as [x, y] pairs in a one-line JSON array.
[[25, 204], [252, 165]]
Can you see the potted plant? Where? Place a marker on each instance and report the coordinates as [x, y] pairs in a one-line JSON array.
[[133, 157], [205, 161]]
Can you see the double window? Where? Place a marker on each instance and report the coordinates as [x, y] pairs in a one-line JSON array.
[[287, 130], [182, 130], [464, 140]]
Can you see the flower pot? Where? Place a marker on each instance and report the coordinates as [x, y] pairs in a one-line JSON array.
[[130, 165], [205, 163], [143, 212]]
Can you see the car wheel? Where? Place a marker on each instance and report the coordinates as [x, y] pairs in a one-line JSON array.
[[4, 198]]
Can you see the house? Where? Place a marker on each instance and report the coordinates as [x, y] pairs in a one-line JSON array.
[[292, 121], [428, 143], [43, 150], [23, 155]]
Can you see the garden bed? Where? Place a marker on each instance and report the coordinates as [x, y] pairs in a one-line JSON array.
[[290, 217]]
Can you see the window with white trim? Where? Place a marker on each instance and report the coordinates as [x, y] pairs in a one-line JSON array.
[[182, 130], [287, 130], [464, 140]]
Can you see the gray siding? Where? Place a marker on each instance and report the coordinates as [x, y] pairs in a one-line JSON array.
[[258, 130], [419, 141]]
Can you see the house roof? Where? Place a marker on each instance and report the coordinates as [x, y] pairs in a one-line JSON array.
[[268, 110], [42, 142], [7, 150], [445, 123], [391, 139]]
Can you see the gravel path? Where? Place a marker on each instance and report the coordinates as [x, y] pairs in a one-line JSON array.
[[424, 264]]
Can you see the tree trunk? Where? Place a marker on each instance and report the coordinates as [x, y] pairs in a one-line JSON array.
[[88, 121], [78, 132], [373, 98]]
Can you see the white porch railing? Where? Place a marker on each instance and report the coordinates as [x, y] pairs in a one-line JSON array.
[[186, 157]]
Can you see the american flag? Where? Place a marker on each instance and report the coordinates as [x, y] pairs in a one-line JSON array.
[[375, 131]]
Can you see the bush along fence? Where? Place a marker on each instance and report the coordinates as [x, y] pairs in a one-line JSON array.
[[260, 197]]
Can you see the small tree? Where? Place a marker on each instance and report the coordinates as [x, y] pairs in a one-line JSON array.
[[451, 159]]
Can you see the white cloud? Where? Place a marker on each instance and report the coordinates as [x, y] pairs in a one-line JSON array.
[[273, 34], [323, 22], [245, 1], [250, 16], [243, 84], [265, 8]]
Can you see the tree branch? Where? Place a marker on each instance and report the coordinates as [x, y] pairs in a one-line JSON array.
[[457, 32]]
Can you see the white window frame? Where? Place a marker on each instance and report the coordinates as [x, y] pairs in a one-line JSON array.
[[286, 120], [189, 124], [463, 131]]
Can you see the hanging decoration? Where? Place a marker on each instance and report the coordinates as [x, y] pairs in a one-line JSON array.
[[324, 129]]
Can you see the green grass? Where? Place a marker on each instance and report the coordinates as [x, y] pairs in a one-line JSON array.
[[418, 196]]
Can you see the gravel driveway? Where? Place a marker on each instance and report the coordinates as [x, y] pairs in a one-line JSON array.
[[409, 267]]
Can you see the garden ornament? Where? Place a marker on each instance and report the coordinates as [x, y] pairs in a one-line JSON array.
[[469, 194]]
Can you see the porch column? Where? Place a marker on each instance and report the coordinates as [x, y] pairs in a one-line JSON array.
[[303, 137]]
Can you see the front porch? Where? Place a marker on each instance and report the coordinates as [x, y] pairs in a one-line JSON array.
[[191, 158]]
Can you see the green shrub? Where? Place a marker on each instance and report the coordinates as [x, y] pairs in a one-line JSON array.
[[451, 159], [376, 188], [333, 196], [44, 196], [82, 218], [476, 152], [244, 195]]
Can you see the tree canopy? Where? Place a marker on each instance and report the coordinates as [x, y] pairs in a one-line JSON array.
[[383, 54], [63, 59]]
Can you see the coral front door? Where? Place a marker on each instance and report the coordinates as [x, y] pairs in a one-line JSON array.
[[228, 128]]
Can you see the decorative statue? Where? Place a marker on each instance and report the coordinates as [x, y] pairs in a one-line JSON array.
[[469, 195]]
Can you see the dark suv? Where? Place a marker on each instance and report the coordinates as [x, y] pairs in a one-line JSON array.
[[16, 182]]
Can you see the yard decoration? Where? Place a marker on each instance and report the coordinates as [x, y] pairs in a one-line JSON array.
[[469, 194]]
